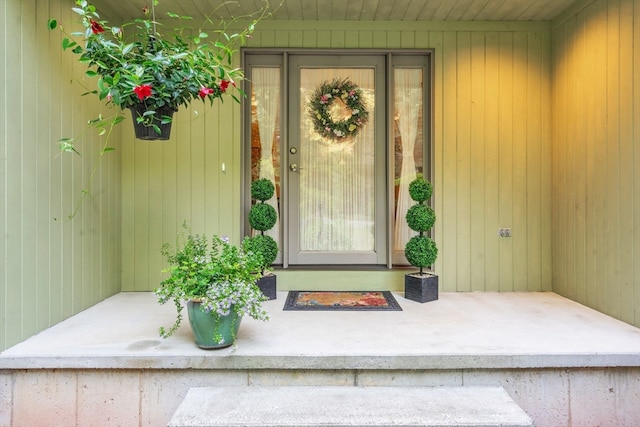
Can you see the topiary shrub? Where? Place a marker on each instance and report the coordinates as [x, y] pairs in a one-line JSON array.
[[263, 217], [420, 218], [262, 189], [264, 245], [420, 250], [420, 190]]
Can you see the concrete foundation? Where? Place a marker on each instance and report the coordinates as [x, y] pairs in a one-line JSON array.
[[564, 364]]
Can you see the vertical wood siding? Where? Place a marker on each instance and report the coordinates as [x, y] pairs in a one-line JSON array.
[[51, 267], [596, 165], [492, 154]]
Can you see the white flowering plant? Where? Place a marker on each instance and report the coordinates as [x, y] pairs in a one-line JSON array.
[[219, 275]]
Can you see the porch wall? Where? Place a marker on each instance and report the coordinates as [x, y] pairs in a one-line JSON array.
[[491, 154], [596, 163], [50, 267]]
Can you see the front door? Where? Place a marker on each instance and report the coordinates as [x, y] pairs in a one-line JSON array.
[[336, 176]]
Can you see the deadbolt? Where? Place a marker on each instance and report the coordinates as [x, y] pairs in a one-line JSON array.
[[293, 150]]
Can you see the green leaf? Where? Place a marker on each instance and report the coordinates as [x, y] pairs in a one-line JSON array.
[[78, 49], [117, 119], [67, 43], [90, 73], [128, 48], [78, 10], [66, 145], [52, 24], [107, 149]]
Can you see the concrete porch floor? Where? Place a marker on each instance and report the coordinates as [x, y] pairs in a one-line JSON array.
[[107, 365], [459, 331]]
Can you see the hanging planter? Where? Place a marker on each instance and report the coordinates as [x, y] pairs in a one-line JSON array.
[[152, 126], [161, 69]]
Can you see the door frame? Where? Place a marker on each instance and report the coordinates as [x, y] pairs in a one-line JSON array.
[[279, 57]]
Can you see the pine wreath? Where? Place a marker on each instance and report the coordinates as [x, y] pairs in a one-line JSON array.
[[320, 106]]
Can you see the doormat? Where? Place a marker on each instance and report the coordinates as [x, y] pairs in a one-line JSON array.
[[341, 300]]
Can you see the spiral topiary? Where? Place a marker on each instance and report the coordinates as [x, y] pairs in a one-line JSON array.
[[420, 250]]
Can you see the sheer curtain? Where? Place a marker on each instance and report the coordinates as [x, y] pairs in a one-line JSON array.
[[266, 91], [337, 193], [408, 97]]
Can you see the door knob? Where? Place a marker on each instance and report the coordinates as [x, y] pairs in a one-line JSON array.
[[293, 167]]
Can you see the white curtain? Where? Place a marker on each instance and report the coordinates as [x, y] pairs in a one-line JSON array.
[[266, 92], [337, 193], [408, 97]]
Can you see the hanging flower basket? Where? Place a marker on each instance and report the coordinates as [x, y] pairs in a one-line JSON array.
[[152, 126]]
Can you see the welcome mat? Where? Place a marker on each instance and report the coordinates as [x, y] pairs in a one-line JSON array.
[[341, 300]]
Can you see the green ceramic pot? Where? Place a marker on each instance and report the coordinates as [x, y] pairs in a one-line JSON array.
[[211, 331]]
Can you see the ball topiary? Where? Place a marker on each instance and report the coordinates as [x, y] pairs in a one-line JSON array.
[[421, 251], [264, 245], [262, 189], [420, 190], [420, 218], [262, 216]]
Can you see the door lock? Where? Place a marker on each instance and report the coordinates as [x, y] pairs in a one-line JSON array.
[[293, 167]]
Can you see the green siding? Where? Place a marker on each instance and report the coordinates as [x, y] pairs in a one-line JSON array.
[[491, 155], [596, 168], [51, 267]]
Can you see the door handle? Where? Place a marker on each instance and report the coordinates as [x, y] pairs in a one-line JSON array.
[[293, 167]]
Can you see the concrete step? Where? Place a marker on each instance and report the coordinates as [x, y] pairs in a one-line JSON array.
[[348, 406]]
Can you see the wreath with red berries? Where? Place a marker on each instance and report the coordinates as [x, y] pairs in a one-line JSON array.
[[347, 98]]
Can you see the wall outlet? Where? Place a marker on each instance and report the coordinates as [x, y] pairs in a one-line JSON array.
[[504, 232]]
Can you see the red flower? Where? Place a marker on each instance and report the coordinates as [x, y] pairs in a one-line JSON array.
[[143, 91], [224, 84], [96, 27], [204, 91]]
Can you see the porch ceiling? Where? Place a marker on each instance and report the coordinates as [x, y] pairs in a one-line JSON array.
[[352, 10]]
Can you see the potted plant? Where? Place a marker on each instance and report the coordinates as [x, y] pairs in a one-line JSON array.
[[151, 72], [420, 250], [217, 282], [263, 217]]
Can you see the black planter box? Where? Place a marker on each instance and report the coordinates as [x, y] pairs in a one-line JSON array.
[[421, 288], [267, 285]]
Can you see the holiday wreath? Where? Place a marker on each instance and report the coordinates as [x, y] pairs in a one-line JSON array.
[[320, 109]]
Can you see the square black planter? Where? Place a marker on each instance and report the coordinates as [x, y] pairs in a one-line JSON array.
[[267, 285], [421, 288]]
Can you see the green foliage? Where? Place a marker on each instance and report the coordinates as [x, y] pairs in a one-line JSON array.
[[262, 189], [421, 251], [264, 245], [219, 275], [137, 63], [420, 218], [262, 216], [420, 190]]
